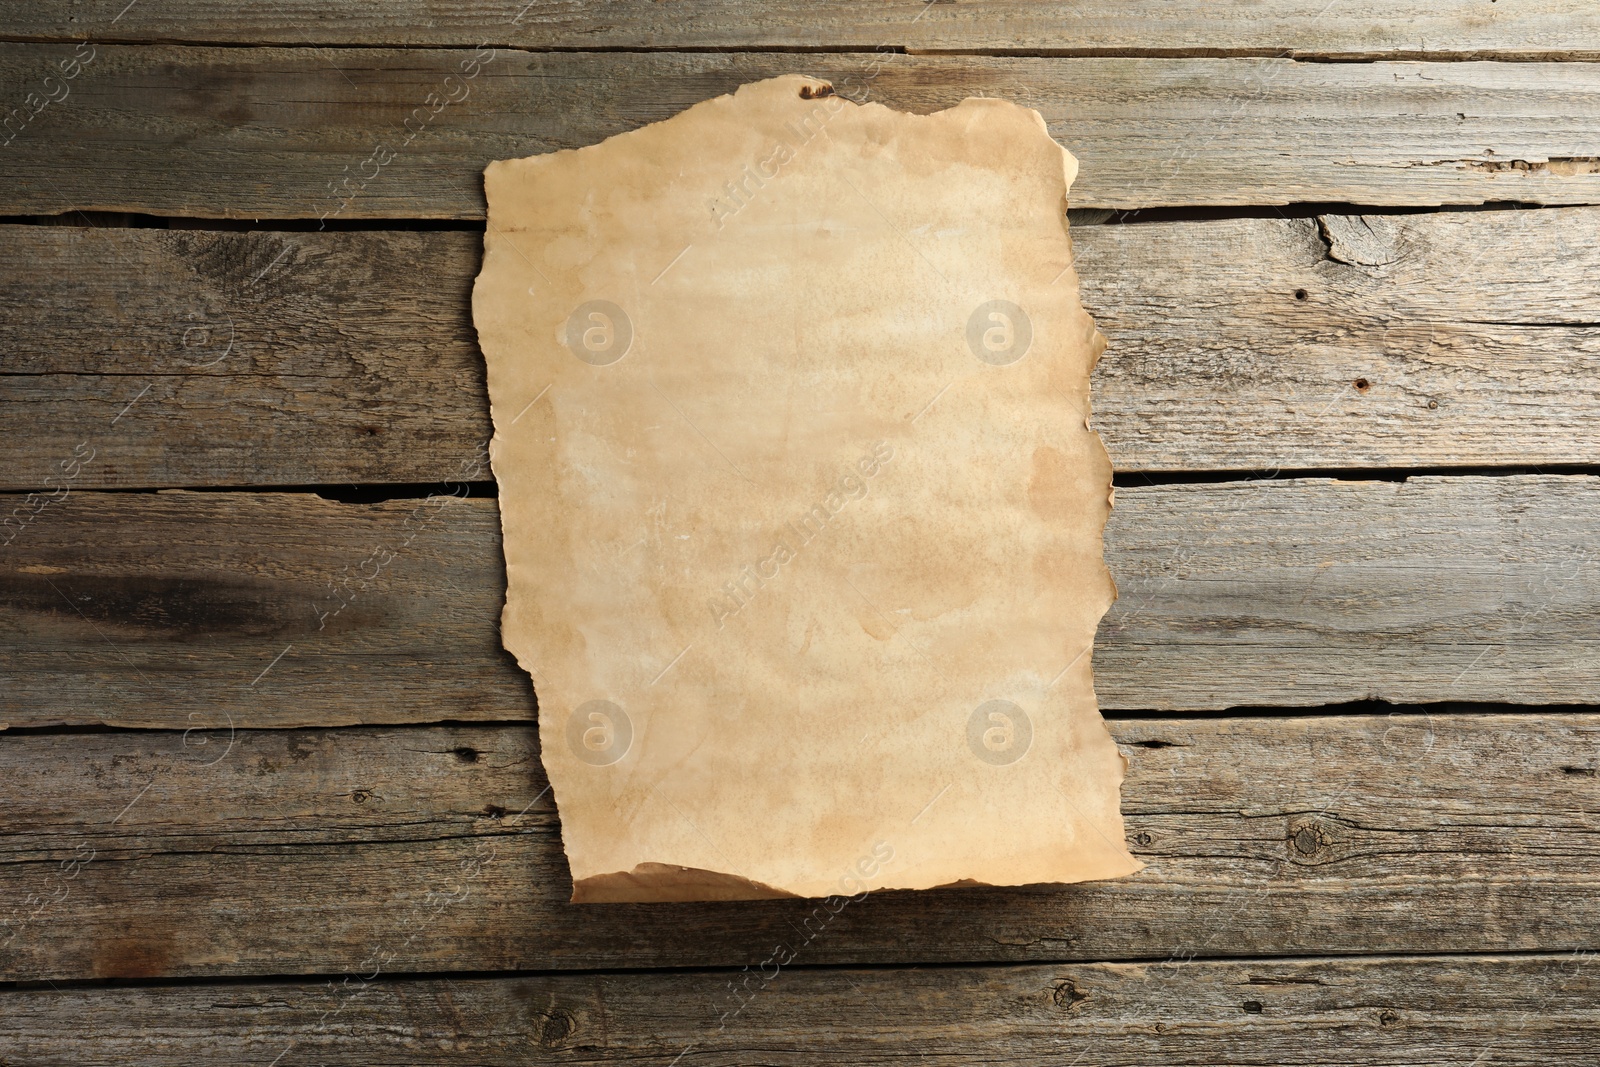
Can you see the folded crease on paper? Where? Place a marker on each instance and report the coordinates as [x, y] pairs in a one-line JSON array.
[[801, 507]]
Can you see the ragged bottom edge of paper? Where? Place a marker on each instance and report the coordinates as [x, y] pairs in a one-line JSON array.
[[667, 883], [664, 883]]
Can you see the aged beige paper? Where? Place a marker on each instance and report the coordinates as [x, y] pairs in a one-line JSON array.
[[802, 511]]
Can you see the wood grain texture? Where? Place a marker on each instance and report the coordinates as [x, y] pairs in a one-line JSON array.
[[319, 133], [256, 358], [163, 609], [152, 854], [181, 602], [1533, 1010], [1144, 27], [1398, 341]]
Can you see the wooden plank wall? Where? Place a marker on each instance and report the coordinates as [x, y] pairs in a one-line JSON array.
[[1346, 257]]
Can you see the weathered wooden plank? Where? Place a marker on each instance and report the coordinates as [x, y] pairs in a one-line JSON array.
[[145, 609], [286, 358], [1306, 28], [326, 358], [1386, 1012], [147, 854], [1348, 341], [320, 133], [177, 606]]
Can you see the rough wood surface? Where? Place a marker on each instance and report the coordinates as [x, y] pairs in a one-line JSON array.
[[260, 609], [1384, 1012], [147, 609], [206, 850], [303, 133], [248, 359], [280, 358], [1145, 27], [153, 854]]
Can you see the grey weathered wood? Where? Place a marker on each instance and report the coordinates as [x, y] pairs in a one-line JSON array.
[[327, 358], [256, 358], [1532, 1010], [1294, 27], [1422, 590], [142, 610], [272, 132], [1281, 344], [277, 852], [173, 606]]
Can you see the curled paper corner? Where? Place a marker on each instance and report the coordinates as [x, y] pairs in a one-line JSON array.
[[802, 510]]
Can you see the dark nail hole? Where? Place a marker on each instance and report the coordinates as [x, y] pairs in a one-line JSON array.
[[1253, 1007], [1362, 385], [494, 811], [467, 755], [1433, 405], [1145, 839], [1587, 772], [808, 93], [1301, 294]]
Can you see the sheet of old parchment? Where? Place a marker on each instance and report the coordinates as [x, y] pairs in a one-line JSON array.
[[802, 511]]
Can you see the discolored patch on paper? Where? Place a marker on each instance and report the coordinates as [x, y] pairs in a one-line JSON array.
[[802, 513]]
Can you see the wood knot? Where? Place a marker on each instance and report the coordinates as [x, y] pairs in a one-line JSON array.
[[553, 1027], [1308, 840], [1067, 995], [1252, 1006], [466, 754], [1388, 1017], [1361, 240]]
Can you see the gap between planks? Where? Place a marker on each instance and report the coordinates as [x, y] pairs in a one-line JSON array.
[[1234, 345], [1436, 29], [264, 852], [138, 609], [201, 131], [1381, 1011]]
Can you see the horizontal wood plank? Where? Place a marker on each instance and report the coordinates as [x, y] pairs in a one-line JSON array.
[[194, 358], [1292, 27], [275, 610], [323, 133], [150, 854], [1531, 1010], [1458, 339]]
